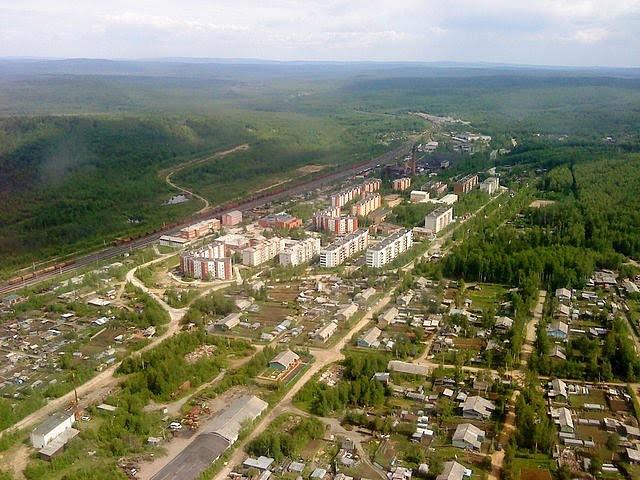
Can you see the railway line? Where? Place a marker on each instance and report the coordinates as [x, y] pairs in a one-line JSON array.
[[122, 246]]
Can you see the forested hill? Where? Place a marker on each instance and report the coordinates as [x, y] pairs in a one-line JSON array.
[[593, 223]]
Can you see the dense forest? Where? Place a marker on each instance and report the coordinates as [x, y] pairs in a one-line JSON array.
[[592, 224]]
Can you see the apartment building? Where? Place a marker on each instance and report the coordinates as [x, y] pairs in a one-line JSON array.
[[200, 229], [296, 252], [371, 185], [490, 185], [343, 197], [280, 220], [338, 225], [368, 204], [207, 263], [261, 252], [466, 184], [232, 218], [401, 184], [319, 218], [343, 248], [437, 188], [389, 248], [438, 219]]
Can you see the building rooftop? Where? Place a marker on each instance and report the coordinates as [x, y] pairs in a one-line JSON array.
[[389, 240], [286, 358], [52, 422]]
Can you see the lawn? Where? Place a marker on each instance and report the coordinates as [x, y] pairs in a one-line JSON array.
[[484, 295]]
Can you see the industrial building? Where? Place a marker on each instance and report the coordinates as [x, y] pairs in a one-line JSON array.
[[297, 252], [401, 184], [366, 205], [52, 435], [389, 248], [200, 229], [280, 220], [207, 263], [466, 184], [337, 252], [232, 218], [438, 219], [490, 185], [261, 252], [212, 443], [172, 241], [408, 368], [418, 196]]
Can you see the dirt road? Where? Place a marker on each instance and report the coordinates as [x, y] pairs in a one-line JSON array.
[[322, 359], [198, 161], [530, 335]]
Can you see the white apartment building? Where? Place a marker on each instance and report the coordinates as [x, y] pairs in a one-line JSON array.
[[438, 219], [343, 248], [208, 262], [298, 252], [490, 185], [261, 252], [389, 248]]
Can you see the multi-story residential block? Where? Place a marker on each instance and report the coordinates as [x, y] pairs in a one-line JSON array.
[[343, 197], [490, 185], [296, 252], [232, 218], [207, 263], [371, 185], [200, 229], [338, 225], [319, 218], [389, 248], [438, 219], [343, 248], [401, 184], [261, 252], [280, 220], [437, 188], [466, 184], [368, 204]]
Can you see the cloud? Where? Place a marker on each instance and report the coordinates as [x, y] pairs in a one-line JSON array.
[[565, 32], [170, 24]]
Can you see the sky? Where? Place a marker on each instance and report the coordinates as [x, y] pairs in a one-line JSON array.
[[534, 32]]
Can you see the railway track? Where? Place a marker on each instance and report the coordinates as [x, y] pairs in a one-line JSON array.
[[280, 193]]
